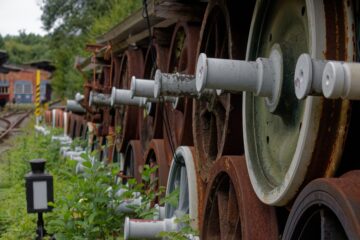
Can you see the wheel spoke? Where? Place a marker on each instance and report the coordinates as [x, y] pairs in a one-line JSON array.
[[220, 118]]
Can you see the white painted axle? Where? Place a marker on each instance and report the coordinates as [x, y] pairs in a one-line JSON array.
[[178, 85], [308, 76], [148, 229], [99, 99], [123, 97], [262, 77], [142, 87], [341, 80], [65, 114], [73, 106], [79, 97], [61, 138], [42, 130], [53, 114], [235, 75], [71, 154], [126, 205]]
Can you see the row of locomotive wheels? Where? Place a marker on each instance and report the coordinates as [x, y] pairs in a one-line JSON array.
[[284, 149]]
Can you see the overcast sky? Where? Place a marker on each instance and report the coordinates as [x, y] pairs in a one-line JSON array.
[[17, 15]]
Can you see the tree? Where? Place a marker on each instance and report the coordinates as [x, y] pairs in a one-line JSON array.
[[25, 47], [2, 43], [72, 24]]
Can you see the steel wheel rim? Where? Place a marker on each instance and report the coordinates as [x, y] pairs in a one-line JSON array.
[[133, 162], [231, 209], [183, 175], [131, 65], [330, 204], [216, 119], [151, 124], [278, 160], [155, 156], [182, 60]]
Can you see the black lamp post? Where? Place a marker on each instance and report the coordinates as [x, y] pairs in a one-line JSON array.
[[39, 191]]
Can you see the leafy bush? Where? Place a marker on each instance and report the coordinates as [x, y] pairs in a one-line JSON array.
[[85, 205]]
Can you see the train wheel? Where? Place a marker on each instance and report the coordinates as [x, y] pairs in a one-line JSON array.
[[126, 116], [151, 123], [327, 209], [216, 120], [232, 210], [134, 161], [284, 136], [183, 177], [178, 118], [155, 156]]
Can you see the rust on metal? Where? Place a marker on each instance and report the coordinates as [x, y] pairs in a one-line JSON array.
[[178, 122], [132, 64], [335, 114], [134, 160], [155, 156], [232, 210], [151, 124], [336, 201], [216, 119]]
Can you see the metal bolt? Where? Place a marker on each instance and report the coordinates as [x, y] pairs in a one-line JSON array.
[[99, 99], [341, 79], [308, 76], [142, 87]]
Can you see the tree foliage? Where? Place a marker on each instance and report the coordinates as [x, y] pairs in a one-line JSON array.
[[72, 24], [25, 47]]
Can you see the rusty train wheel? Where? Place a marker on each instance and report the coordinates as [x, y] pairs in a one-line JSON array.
[[285, 148], [327, 209], [79, 126], [216, 120], [151, 123], [72, 127], [155, 156], [134, 161], [110, 139], [48, 117], [232, 210], [182, 59], [85, 129], [126, 116]]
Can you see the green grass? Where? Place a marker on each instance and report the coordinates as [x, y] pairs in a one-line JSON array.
[[15, 222]]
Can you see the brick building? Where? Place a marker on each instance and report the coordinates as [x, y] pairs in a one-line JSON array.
[[21, 84]]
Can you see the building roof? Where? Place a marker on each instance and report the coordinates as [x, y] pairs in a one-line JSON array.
[[162, 14], [43, 65], [6, 68]]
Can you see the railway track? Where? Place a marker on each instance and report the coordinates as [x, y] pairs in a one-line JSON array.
[[249, 101], [10, 121]]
